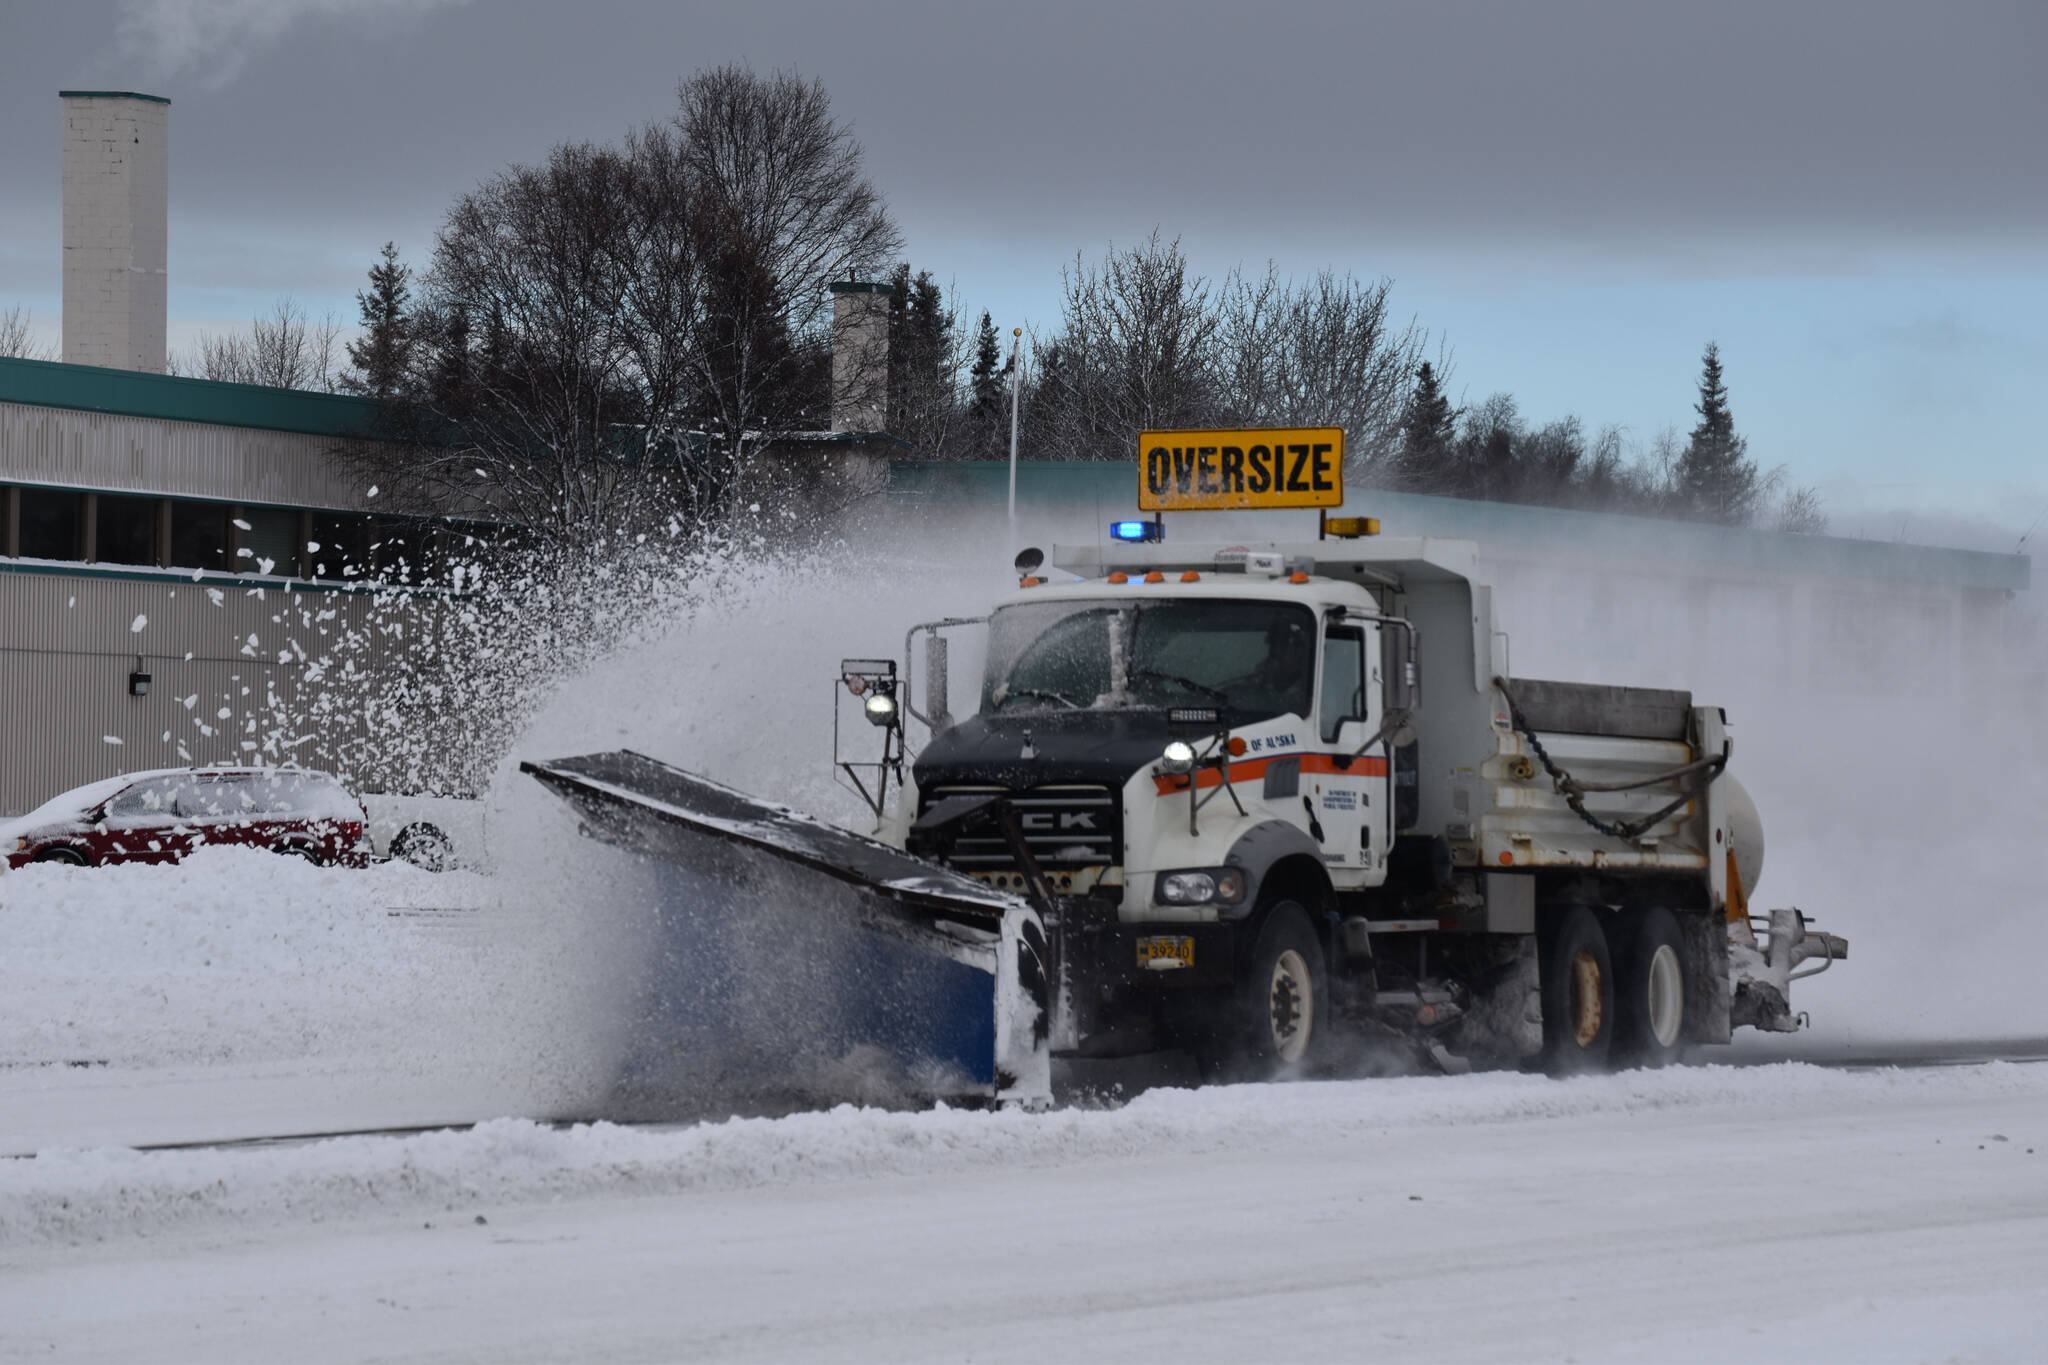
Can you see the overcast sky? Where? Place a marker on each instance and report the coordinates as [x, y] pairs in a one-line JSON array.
[[1851, 198]]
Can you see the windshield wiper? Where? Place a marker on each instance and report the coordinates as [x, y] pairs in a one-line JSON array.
[[1069, 702], [1218, 693]]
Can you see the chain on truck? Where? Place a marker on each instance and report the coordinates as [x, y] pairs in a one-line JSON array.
[[1269, 798]]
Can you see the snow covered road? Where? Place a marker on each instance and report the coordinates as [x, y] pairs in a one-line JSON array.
[[1694, 1214]]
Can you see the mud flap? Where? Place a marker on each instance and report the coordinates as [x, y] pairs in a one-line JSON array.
[[829, 945]]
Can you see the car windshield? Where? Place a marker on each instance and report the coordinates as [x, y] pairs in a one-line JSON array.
[[1252, 659]]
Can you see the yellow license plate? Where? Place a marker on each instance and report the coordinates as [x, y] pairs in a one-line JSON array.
[[1166, 952]]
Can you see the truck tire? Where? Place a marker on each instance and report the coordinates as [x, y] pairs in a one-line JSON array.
[[1649, 990], [1283, 1001], [1578, 995]]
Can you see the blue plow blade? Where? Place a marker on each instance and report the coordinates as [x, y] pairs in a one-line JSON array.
[[785, 963]]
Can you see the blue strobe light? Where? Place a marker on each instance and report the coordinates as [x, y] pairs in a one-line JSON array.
[[1137, 530]]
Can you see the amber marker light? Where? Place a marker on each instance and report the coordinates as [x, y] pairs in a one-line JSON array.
[[1155, 577], [1236, 747]]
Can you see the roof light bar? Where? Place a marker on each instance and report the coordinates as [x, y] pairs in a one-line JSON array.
[[1140, 531]]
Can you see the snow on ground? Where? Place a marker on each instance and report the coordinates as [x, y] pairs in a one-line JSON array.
[[241, 993], [1779, 1213], [236, 955]]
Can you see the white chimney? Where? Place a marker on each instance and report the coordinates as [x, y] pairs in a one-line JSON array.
[[116, 227], [860, 355]]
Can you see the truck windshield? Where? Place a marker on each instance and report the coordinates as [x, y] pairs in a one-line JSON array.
[[1254, 660]]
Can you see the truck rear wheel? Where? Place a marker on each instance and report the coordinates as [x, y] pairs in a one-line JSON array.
[[1578, 995], [1282, 1002], [1649, 991]]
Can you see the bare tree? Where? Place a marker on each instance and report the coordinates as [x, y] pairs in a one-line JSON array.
[[1320, 353], [1144, 342], [781, 206], [17, 337], [607, 340], [1137, 349], [284, 350]]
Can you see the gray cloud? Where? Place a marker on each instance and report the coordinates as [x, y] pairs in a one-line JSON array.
[[213, 39], [1738, 137]]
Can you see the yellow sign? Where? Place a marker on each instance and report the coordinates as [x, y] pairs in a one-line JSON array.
[[1184, 471]]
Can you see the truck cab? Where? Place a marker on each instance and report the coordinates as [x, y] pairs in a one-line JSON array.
[[1190, 746]]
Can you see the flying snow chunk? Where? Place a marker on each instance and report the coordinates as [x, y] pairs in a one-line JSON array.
[[111, 739], [135, 626]]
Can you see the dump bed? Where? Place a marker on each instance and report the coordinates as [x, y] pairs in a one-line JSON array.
[[1592, 775], [1599, 709]]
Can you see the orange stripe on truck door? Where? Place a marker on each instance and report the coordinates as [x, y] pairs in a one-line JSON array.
[[1254, 770]]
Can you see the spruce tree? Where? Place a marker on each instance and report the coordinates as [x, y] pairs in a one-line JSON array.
[[1428, 429], [921, 380], [1716, 480], [985, 378], [383, 353]]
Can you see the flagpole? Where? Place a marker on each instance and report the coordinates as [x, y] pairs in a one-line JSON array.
[[1016, 383]]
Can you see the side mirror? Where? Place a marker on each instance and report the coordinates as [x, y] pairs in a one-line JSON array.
[[937, 696], [1397, 664]]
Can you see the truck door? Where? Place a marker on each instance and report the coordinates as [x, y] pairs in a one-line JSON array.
[[1347, 793]]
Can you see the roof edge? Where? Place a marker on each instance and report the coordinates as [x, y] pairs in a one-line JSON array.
[[181, 398], [110, 95]]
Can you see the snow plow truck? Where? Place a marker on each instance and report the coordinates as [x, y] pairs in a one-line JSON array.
[[1257, 805]]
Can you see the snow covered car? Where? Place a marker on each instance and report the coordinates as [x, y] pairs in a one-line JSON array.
[[430, 832], [159, 817]]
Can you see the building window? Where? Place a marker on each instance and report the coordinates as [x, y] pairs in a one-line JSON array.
[[340, 546], [125, 530], [199, 535], [51, 524], [270, 540]]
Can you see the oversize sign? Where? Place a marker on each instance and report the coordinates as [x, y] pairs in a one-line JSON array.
[[1181, 471]]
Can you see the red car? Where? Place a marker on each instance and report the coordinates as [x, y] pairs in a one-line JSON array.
[[159, 817]]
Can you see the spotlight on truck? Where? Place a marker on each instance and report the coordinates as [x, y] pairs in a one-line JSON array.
[[1178, 757], [880, 709]]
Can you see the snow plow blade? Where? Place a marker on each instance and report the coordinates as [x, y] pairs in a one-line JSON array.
[[791, 949]]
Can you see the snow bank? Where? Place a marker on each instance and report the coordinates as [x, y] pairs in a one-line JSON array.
[[237, 959], [92, 1195], [237, 954]]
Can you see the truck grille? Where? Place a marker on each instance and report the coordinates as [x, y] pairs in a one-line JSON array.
[[1065, 827]]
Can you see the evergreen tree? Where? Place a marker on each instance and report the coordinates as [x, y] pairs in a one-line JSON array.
[[986, 380], [1716, 480], [382, 355], [922, 399], [1428, 430]]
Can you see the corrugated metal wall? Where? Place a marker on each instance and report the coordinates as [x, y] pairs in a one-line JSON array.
[[68, 642], [154, 456]]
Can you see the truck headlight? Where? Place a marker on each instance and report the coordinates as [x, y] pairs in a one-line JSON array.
[[1201, 886], [880, 709], [1178, 757]]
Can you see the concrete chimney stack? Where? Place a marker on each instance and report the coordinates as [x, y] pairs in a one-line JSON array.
[[860, 355], [116, 228]]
